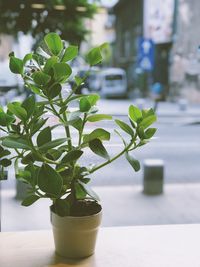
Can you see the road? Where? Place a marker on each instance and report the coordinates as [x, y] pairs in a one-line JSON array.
[[178, 144]]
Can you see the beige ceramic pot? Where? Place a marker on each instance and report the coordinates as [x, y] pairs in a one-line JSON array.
[[75, 237]]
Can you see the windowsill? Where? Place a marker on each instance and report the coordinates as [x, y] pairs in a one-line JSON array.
[[143, 246]]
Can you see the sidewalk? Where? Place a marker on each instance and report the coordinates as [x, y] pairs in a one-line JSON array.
[[122, 206], [165, 109]]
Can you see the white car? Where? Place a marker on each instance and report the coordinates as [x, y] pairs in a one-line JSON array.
[[113, 82]]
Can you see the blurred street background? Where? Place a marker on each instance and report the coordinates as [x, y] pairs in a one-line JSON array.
[[153, 60]]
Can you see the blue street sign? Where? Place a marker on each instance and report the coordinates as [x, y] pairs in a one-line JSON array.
[[146, 54]]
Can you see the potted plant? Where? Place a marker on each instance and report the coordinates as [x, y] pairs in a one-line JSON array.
[[52, 166]]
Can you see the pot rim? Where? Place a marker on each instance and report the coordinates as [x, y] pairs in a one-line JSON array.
[[78, 217]]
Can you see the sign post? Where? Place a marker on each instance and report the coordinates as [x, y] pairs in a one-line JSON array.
[[146, 54], [145, 63]]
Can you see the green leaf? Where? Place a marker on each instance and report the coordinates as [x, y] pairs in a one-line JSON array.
[[33, 170], [80, 192], [3, 174], [150, 132], [72, 156], [78, 80], [133, 162], [5, 162], [94, 56], [16, 128], [125, 127], [54, 154], [6, 119], [4, 153], [44, 136], [29, 105], [50, 63], [133, 124], [11, 54], [141, 132], [55, 91], [90, 192], [77, 124], [17, 110], [34, 89], [41, 53], [61, 207], [63, 109], [28, 159], [27, 57], [147, 112], [75, 115], [98, 133], [70, 53], [104, 46], [85, 180], [99, 117], [93, 98], [97, 147], [24, 176], [135, 113], [15, 142], [53, 144], [16, 65], [37, 125], [29, 200], [146, 122], [93, 110], [49, 181], [1, 149], [54, 43], [41, 78], [61, 71], [84, 104]]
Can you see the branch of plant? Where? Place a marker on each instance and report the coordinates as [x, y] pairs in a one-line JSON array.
[[82, 128], [37, 152], [67, 130], [114, 158], [75, 88]]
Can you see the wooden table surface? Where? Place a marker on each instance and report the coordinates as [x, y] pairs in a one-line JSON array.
[[143, 246]]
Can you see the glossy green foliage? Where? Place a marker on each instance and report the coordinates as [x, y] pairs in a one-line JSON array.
[[51, 164]]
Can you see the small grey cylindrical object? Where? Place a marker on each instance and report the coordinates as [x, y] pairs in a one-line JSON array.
[[153, 177]]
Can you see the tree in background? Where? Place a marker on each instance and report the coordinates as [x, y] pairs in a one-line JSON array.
[[37, 17]]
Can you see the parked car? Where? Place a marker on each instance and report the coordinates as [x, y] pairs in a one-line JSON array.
[[113, 82], [94, 80]]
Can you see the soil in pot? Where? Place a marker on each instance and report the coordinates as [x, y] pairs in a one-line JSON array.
[[85, 208], [78, 209]]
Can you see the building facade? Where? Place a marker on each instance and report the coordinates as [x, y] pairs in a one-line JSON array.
[[128, 26], [101, 28], [150, 20]]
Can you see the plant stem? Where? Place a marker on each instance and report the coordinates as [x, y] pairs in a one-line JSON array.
[[38, 153], [74, 89], [113, 159], [64, 121], [67, 132], [81, 131]]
